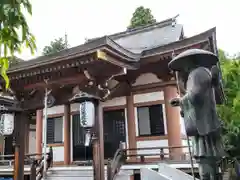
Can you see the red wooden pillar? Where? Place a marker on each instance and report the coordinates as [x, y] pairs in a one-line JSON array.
[[173, 121], [131, 124], [39, 130], [67, 116], [98, 146]]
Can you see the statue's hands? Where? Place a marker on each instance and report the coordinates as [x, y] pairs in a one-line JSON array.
[[175, 102]]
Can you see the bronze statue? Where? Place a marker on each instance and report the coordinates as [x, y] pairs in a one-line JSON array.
[[198, 70]]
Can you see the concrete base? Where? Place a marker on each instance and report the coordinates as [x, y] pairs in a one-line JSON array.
[[148, 174], [172, 173]]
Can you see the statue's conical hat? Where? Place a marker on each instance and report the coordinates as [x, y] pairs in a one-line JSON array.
[[200, 57]]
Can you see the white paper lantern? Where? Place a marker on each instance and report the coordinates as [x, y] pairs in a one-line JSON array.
[[87, 114], [7, 124]]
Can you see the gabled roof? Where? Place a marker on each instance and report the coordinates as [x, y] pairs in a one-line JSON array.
[[128, 46], [75, 52], [158, 34], [129, 43]]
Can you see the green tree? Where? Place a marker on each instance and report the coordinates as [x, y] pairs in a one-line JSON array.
[[14, 32], [230, 111], [56, 46], [141, 17]]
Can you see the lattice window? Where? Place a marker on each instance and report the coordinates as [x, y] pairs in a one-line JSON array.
[[150, 120], [54, 130]]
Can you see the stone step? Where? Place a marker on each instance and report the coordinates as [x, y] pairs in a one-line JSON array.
[[85, 174]]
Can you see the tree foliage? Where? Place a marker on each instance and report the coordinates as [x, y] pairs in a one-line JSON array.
[[56, 46], [230, 111], [14, 32], [141, 17]]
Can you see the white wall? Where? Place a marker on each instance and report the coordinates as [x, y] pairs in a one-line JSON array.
[[32, 142], [58, 153], [152, 143], [146, 78], [60, 109], [114, 102]]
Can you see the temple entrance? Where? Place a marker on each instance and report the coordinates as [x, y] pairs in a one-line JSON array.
[[80, 152], [114, 131], [8, 146]]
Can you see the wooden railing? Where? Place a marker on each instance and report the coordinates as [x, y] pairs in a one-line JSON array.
[[160, 153], [174, 153], [37, 165], [130, 156], [122, 156], [229, 168], [35, 161]]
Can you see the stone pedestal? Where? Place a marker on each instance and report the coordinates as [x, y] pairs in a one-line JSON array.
[[172, 173], [147, 174]]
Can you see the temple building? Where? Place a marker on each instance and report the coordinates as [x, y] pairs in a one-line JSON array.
[[136, 113]]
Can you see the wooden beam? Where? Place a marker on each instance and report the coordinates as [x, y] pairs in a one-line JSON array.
[[37, 102], [102, 55], [121, 88], [77, 79], [156, 85]]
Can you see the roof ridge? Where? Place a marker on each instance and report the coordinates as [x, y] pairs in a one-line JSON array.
[[163, 23]]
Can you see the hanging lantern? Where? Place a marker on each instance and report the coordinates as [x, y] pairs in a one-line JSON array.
[[87, 114], [8, 108], [7, 124], [87, 105]]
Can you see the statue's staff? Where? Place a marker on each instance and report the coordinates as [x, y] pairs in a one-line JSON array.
[[188, 140]]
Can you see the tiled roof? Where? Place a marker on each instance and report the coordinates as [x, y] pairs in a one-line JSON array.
[[138, 39], [132, 44]]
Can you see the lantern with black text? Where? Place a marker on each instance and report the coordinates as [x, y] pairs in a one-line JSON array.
[[8, 108], [87, 109]]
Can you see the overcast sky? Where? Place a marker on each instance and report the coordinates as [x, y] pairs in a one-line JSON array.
[[82, 19]]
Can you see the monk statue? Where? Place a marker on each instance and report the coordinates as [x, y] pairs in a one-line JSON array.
[[198, 70]]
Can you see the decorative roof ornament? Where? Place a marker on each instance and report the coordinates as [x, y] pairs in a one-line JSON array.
[[174, 20], [173, 54], [83, 96], [101, 55]]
